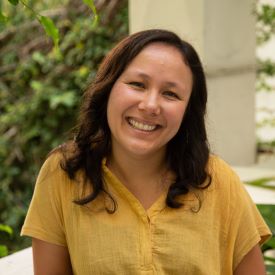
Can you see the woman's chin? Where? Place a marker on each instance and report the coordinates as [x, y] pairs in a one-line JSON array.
[[141, 151]]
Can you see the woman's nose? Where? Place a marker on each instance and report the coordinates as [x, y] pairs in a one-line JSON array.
[[150, 103]]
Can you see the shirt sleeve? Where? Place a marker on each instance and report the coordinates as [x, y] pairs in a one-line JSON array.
[[247, 226], [45, 216]]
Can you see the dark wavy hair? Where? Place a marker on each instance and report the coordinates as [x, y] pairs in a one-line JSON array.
[[187, 153]]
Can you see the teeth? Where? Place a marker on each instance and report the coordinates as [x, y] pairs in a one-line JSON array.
[[141, 126]]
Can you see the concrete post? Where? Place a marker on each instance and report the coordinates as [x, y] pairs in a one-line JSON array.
[[223, 33]]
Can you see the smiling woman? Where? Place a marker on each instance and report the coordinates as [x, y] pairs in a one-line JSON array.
[[148, 101], [137, 191]]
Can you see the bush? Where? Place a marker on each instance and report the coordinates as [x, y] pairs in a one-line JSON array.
[[40, 95]]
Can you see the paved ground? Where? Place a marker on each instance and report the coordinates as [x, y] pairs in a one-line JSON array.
[[264, 169], [19, 263]]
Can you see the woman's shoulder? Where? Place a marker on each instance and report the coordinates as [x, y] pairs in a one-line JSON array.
[[52, 164], [217, 167], [53, 169], [56, 159], [223, 175], [55, 172], [226, 188]]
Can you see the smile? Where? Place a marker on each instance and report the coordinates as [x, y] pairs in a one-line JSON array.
[[141, 126]]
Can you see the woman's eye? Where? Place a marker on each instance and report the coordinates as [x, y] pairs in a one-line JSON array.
[[137, 84], [171, 94]]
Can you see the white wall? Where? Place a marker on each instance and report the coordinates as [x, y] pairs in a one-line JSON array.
[[223, 32]]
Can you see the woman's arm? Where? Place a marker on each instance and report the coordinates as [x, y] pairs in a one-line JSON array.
[[252, 263], [50, 259]]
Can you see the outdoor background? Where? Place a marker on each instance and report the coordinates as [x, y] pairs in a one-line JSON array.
[[40, 91]]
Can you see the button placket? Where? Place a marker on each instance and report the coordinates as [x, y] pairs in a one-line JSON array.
[[146, 244]]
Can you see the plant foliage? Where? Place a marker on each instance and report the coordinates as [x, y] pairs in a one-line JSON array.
[[40, 91], [47, 23], [5, 231], [265, 30], [268, 212]]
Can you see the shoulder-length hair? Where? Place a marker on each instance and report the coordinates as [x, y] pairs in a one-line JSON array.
[[187, 153]]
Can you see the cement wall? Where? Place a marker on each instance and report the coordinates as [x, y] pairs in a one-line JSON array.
[[223, 32]]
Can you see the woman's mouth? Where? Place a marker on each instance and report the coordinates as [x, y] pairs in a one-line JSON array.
[[141, 125]]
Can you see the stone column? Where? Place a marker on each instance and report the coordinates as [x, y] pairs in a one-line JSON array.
[[223, 33]]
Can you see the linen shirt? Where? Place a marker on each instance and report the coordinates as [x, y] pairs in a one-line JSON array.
[[210, 234]]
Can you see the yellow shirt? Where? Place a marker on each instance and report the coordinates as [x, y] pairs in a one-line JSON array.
[[158, 241]]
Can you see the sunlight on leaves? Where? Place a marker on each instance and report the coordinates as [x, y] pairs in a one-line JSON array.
[[50, 28], [3, 18], [91, 5], [67, 99], [3, 251], [6, 228], [267, 183]]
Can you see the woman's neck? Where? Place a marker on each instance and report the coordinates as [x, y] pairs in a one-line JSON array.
[[145, 177], [141, 166]]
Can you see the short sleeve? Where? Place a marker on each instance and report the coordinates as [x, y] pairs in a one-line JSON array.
[[247, 226], [45, 216]]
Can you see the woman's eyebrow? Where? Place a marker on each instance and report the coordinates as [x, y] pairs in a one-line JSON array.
[[139, 74]]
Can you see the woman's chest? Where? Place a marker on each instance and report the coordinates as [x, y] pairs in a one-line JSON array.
[[169, 242]]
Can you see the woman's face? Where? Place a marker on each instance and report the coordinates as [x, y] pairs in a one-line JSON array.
[[148, 101]]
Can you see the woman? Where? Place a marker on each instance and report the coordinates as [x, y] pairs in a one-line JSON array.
[[136, 191]]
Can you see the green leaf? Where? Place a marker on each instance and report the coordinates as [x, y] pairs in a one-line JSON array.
[[270, 259], [3, 18], [14, 2], [263, 182], [91, 5], [37, 85], [67, 99], [270, 269], [50, 28], [3, 251], [6, 228], [39, 58], [268, 213]]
